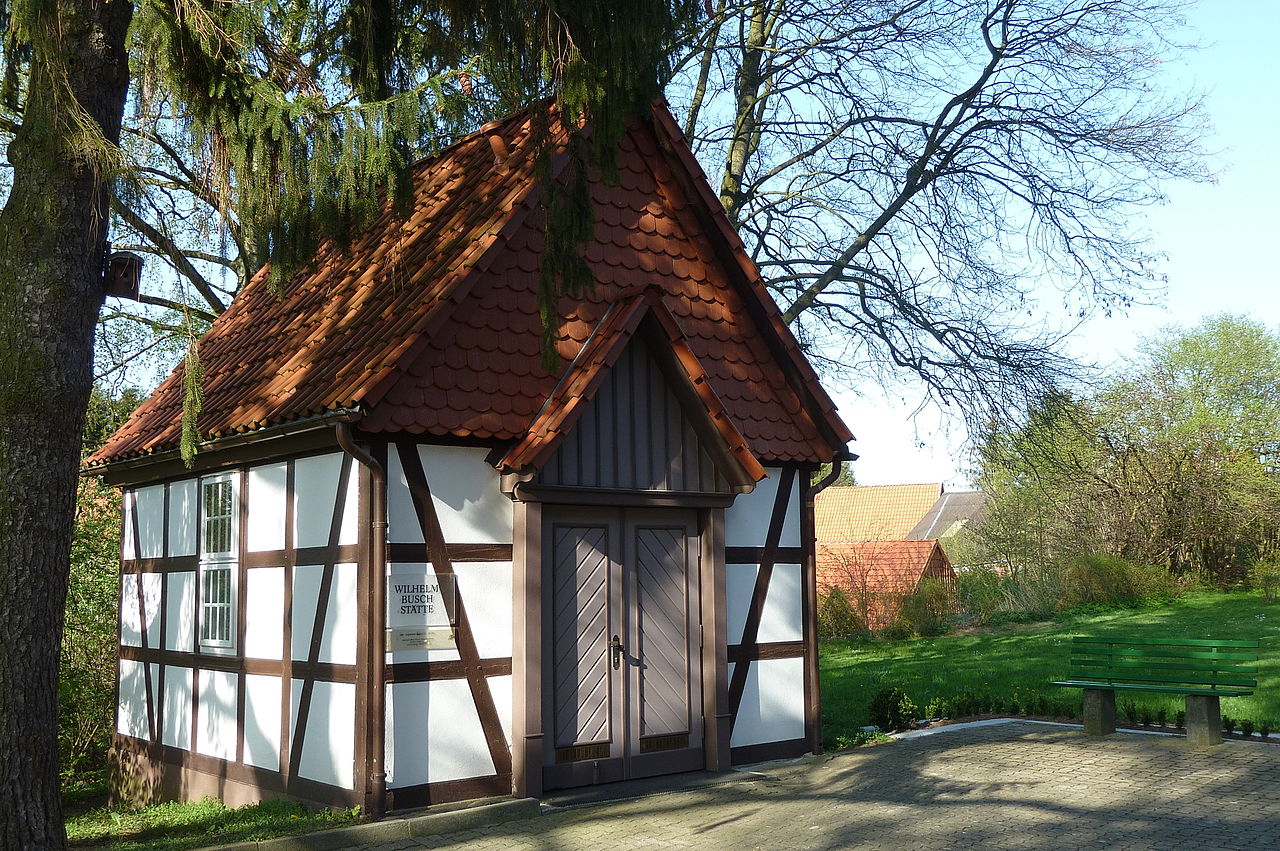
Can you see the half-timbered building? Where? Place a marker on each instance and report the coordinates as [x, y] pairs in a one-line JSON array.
[[411, 566]]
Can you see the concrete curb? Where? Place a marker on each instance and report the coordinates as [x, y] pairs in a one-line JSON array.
[[391, 829], [988, 722]]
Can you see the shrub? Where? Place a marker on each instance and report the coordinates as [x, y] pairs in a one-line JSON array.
[[1246, 728], [937, 707], [928, 610], [1034, 593], [836, 617], [1180, 719], [1130, 711], [979, 594], [899, 630], [1264, 576], [964, 704], [1264, 729], [1228, 724], [891, 709], [1108, 580], [1162, 717], [1145, 716], [86, 678]]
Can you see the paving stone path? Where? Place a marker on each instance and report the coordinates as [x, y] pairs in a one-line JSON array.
[[1015, 785]]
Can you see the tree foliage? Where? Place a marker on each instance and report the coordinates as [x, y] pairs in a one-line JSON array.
[[1173, 462], [86, 678]]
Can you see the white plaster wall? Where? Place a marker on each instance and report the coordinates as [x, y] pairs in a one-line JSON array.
[[501, 689], [128, 546], [130, 622], [434, 734], [262, 721], [316, 487], [772, 708], [131, 719], [264, 613], [267, 484], [782, 618], [467, 493], [739, 585], [180, 612], [175, 728], [182, 518], [216, 714], [151, 521], [485, 589], [328, 749], [746, 522], [338, 644]]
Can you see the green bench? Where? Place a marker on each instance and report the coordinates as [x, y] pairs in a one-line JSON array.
[[1203, 670]]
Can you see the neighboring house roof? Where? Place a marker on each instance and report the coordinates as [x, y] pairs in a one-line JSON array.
[[429, 324], [952, 512], [878, 574], [872, 512]]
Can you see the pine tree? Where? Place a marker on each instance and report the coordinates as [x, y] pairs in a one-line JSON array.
[[299, 168]]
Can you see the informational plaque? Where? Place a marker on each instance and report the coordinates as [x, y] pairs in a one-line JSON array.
[[426, 638], [418, 611]]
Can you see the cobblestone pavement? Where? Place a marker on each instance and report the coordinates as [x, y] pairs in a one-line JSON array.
[[1015, 785]]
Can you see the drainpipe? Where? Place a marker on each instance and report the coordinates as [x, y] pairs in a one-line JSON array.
[[813, 696], [837, 467], [376, 785]]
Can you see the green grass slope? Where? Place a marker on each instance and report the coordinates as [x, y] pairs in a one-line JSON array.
[[1019, 660]]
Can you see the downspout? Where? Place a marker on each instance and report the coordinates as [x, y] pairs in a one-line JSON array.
[[837, 467], [813, 694], [376, 699]]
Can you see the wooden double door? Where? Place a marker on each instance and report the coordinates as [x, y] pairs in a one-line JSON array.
[[622, 688]]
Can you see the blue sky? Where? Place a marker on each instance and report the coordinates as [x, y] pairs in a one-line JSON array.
[[1220, 240]]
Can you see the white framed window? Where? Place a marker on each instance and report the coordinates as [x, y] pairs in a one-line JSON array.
[[219, 561]]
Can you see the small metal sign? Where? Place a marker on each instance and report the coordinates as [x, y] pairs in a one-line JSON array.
[[420, 607], [424, 638]]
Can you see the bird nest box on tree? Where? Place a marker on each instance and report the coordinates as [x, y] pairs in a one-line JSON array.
[[411, 566]]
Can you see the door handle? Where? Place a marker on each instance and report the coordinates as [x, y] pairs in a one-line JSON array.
[[616, 648]]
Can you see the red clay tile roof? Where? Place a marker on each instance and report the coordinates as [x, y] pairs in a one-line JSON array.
[[878, 574], [429, 325], [871, 512]]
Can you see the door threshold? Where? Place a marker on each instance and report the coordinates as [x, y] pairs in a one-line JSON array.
[[645, 787]]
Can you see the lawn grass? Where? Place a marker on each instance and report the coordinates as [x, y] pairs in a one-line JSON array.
[[169, 827], [1022, 659]]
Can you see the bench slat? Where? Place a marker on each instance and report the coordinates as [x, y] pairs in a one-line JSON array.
[[1162, 642], [1174, 666], [1103, 674], [1221, 692], [1146, 653]]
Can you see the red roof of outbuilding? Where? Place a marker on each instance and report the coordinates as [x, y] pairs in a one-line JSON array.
[[429, 324], [878, 574]]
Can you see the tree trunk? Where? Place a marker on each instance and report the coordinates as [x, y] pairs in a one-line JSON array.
[[748, 91], [53, 240]]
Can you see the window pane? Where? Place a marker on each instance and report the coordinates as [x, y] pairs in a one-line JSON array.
[[215, 610], [219, 514]]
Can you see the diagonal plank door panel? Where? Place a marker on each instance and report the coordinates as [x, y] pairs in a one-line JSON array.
[[662, 629], [581, 701]]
